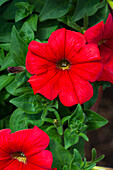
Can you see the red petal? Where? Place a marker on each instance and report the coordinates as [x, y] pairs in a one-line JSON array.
[[36, 64], [74, 42], [4, 154], [57, 43], [63, 41], [15, 164], [108, 28], [42, 50], [95, 33], [89, 53], [5, 163], [29, 141], [74, 89], [5, 132], [106, 75], [46, 84], [88, 71], [43, 159], [4, 142], [107, 60], [108, 44], [30, 166]]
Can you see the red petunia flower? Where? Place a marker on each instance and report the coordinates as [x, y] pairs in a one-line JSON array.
[[64, 66], [102, 35], [24, 150]]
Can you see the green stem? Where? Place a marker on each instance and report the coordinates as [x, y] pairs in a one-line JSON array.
[[55, 112], [85, 22], [75, 26]]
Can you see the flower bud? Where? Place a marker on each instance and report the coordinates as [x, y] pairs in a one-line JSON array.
[[15, 69]]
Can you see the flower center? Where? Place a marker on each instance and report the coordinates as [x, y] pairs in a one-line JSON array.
[[20, 157], [63, 64], [101, 42]]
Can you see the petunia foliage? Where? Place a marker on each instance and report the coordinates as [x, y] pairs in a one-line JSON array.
[[55, 61]]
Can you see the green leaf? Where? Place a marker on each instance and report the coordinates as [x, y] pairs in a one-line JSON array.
[[4, 95], [13, 87], [79, 146], [100, 15], [8, 61], [77, 115], [44, 113], [70, 138], [60, 130], [65, 167], [75, 166], [93, 154], [38, 4], [5, 80], [91, 102], [89, 167], [5, 46], [1, 56], [99, 158], [54, 104], [11, 9], [28, 102], [4, 123], [5, 30], [76, 161], [55, 112], [53, 134], [20, 120], [5, 108], [26, 33], [3, 1], [84, 136], [61, 156], [24, 11], [32, 21], [46, 28], [65, 119], [53, 9], [88, 6], [18, 48], [94, 120]]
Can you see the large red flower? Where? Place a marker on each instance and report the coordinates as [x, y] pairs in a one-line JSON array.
[[24, 150], [102, 35], [64, 66]]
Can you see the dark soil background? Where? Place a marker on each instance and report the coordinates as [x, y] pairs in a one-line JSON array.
[[102, 139]]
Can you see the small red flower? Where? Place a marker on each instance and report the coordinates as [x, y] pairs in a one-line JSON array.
[[24, 150], [64, 66], [102, 35]]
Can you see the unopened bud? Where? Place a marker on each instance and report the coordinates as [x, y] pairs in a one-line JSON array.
[[15, 69]]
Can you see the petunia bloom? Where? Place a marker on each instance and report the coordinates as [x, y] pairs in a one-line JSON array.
[[64, 66], [102, 35], [24, 150]]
